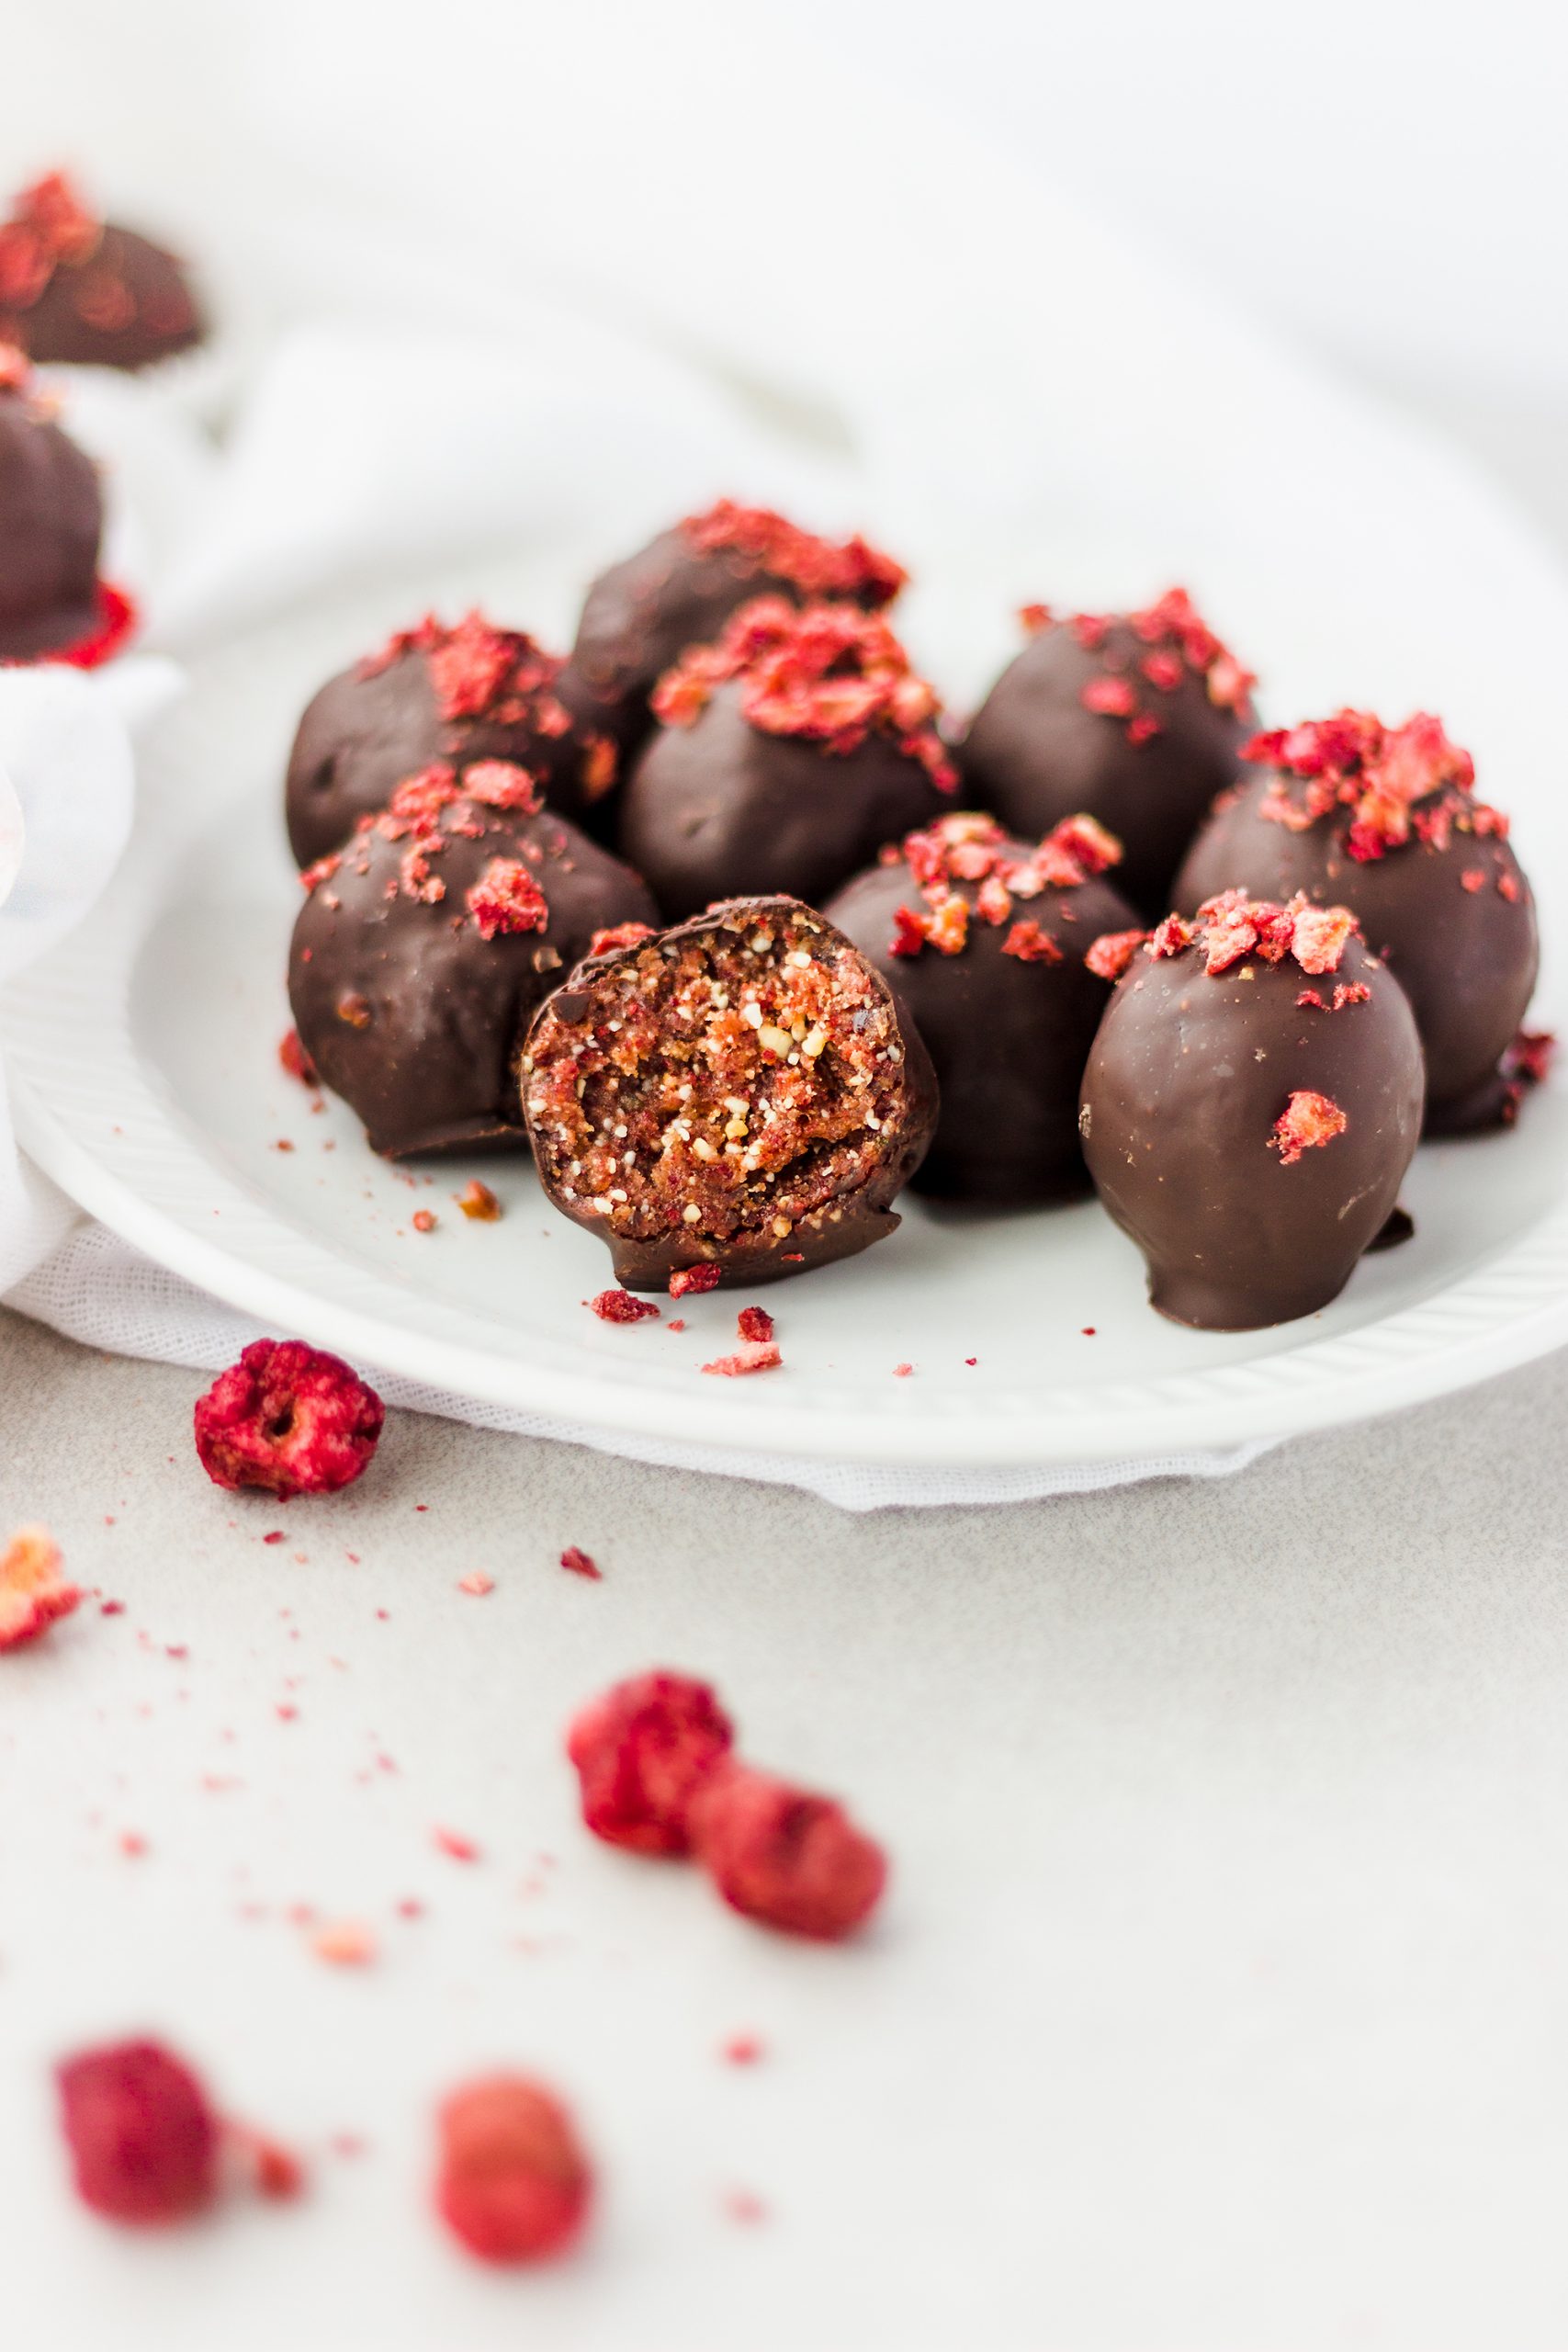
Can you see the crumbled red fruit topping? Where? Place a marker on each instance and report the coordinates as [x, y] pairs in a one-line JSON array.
[[50, 226], [972, 849], [434, 807], [296, 1061], [1394, 781], [33, 1594], [1108, 955], [1308, 1122], [579, 1563], [687, 1279], [143, 2138], [642, 1751], [754, 1323], [114, 621], [1231, 926], [455, 1846], [1525, 1064], [507, 898], [513, 2184], [816, 567], [620, 1307], [287, 1419], [16, 368], [1179, 644], [783, 1855], [478, 1203], [1111, 697], [753, 1355], [829, 674], [479, 671], [618, 935]]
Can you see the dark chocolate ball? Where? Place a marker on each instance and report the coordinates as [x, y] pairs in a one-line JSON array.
[[77, 290], [642, 615], [1249, 1126], [740, 1093], [51, 523], [1447, 907], [423, 947], [1138, 720], [435, 693], [983, 939]]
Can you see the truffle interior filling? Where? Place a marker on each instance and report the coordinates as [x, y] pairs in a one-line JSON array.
[[728, 1083]]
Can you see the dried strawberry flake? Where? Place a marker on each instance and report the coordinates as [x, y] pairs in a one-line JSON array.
[[1308, 1122], [620, 1307], [755, 1355], [755, 1323]]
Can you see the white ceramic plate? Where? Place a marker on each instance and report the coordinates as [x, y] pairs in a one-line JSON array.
[[144, 1055]]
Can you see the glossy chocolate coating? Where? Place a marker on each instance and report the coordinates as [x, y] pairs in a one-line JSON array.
[[51, 523], [127, 306], [1033, 755], [1465, 958], [1009, 1037], [1184, 1081], [721, 809], [431, 1065], [365, 730], [850, 1221]]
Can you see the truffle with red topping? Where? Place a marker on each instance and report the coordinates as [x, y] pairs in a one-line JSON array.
[[425, 945], [983, 938], [77, 289], [1385, 820], [52, 520], [1251, 1104], [740, 1091], [433, 693], [642, 615], [1136, 717], [787, 753]]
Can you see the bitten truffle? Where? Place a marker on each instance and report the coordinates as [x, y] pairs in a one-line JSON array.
[[1251, 1104], [425, 945], [51, 522], [77, 289], [1136, 718], [739, 1092], [431, 694], [983, 938], [789, 753], [642, 615], [1385, 822]]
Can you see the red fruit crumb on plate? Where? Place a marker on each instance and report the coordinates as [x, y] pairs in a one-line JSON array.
[[453, 1842], [513, 2183], [477, 1583], [478, 1201], [753, 1355], [620, 1307], [754, 1323], [784, 1856], [581, 1564], [142, 2135], [345, 1943], [287, 1419], [642, 1751], [423, 1220], [33, 1592]]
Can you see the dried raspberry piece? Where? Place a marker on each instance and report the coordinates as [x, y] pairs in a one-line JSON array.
[[620, 1307], [1032, 618], [755, 1323], [1171, 937], [1308, 1122], [1030, 945], [642, 1751], [1524, 1065], [619, 934], [908, 933], [753, 1355], [1318, 937], [423, 1220], [478, 1201], [1143, 727], [513, 2183], [855, 570], [289, 1418], [1109, 697], [781, 1855], [686, 1279], [507, 898], [1351, 992], [1108, 955], [296, 1061], [54, 208], [25, 265], [143, 2136], [33, 1594], [502, 784], [579, 1563]]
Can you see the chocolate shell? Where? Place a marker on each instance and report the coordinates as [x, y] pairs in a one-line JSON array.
[[51, 522], [740, 1091], [1447, 907], [1249, 1126], [435, 693], [424, 948], [1136, 721], [983, 939], [79, 291]]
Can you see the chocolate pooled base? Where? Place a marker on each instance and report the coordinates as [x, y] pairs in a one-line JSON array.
[[51, 523], [1188, 1082], [739, 1092]]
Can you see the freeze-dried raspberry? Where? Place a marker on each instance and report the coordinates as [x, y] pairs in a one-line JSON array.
[[296, 1061], [33, 1594], [1110, 953], [620, 1307], [751, 1356], [694, 1278], [781, 1855], [642, 1751], [143, 2138], [754, 1323], [515, 2184], [618, 935], [579, 1563], [289, 1418], [1308, 1122]]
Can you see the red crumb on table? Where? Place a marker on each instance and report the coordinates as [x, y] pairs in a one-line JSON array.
[[477, 1583], [477, 1201], [620, 1307], [287, 1419], [754, 1355], [783, 1855], [423, 1220], [296, 1061], [1308, 1121], [754, 1323], [641, 1751], [687, 1279], [1087, 1331], [514, 2183], [33, 1592], [454, 1843], [132, 1844], [742, 2050], [679, 1324], [278, 2174], [346, 1944], [744, 2205], [143, 2138], [581, 1564], [902, 1371]]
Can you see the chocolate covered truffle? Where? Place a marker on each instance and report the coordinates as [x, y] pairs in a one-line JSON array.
[[434, 694], [642, 615], [1385, 820], [425, 945], [738, 1092], [51, 521], [787, 753], [75, 289], [983, 939], [1251, 1104], [1136, 718]]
